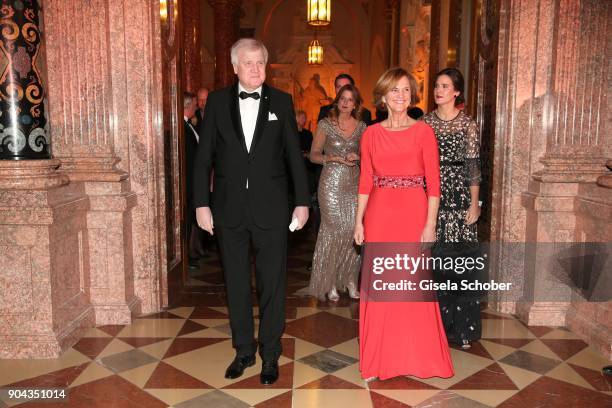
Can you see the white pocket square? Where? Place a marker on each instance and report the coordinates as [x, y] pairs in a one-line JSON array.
[[272, 116]]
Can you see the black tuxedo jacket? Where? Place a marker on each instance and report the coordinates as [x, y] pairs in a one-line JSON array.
[[274, 156], [191, 148], [366, 115], [200, 118]]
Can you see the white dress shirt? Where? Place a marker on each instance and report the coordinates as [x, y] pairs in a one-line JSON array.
[[249, 108]]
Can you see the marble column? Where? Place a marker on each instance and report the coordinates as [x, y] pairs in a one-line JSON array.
[[591, 318], [552, 143], [227, 32], [192, 45], [23, 125], [577, 143], [84, 122], [44, 288]]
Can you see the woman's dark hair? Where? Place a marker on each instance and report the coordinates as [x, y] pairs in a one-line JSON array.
[[458, 82], [334, 112]]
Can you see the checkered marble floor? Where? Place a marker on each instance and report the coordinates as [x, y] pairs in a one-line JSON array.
[[178, 357]]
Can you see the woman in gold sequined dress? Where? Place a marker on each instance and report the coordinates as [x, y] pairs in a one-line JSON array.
[[335, 265]]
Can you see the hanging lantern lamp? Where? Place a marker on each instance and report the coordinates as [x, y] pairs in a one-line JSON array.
[[319, 12]]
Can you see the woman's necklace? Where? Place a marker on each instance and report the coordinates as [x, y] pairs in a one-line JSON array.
[[343, 126]]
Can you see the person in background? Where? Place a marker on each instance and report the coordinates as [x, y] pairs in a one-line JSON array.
[[458, 140], [305, 145], [192, 138], [314, 172], [335, 264], [340, 81], [199, 113]]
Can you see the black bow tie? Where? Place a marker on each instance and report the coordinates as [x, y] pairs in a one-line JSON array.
[[244, 95]]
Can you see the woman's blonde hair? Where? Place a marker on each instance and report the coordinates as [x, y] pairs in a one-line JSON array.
[[388, 80]]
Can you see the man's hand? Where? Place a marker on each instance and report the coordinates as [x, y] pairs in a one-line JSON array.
[[205, 219], [301, 213]]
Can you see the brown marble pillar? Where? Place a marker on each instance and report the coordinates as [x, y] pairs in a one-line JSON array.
[[227, 32], [591, 318], [80, 234], [23, 125], [552, 143], [84, 122], [576, 141], [44, 288], [577, 145], [192, 45]]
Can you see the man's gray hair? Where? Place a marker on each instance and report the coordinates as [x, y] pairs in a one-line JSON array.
[[188, 98], [249, 44]]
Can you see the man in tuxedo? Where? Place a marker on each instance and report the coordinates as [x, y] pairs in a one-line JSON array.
[[191, 148], [251, 142], [339, 82], [199, 113]]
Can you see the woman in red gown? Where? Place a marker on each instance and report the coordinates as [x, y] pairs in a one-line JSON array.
[[399, 338]]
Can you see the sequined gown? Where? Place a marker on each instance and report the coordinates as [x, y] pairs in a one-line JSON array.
[[459, 169], [336, 261], [399, 338]]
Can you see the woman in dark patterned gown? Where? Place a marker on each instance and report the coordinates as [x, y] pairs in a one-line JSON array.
[[459, 146], [336, 262]]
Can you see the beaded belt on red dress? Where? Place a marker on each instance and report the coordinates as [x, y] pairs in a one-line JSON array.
[[398, 181]]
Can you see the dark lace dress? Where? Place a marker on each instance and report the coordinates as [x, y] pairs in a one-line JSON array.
[[459, 146]]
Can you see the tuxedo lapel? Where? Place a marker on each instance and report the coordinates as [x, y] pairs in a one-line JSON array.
[[262, 117], [234, 108]]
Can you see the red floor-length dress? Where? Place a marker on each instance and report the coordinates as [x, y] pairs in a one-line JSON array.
[[400, 338]]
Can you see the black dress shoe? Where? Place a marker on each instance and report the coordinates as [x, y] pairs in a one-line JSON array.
[[236, 368], [269, 372]]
